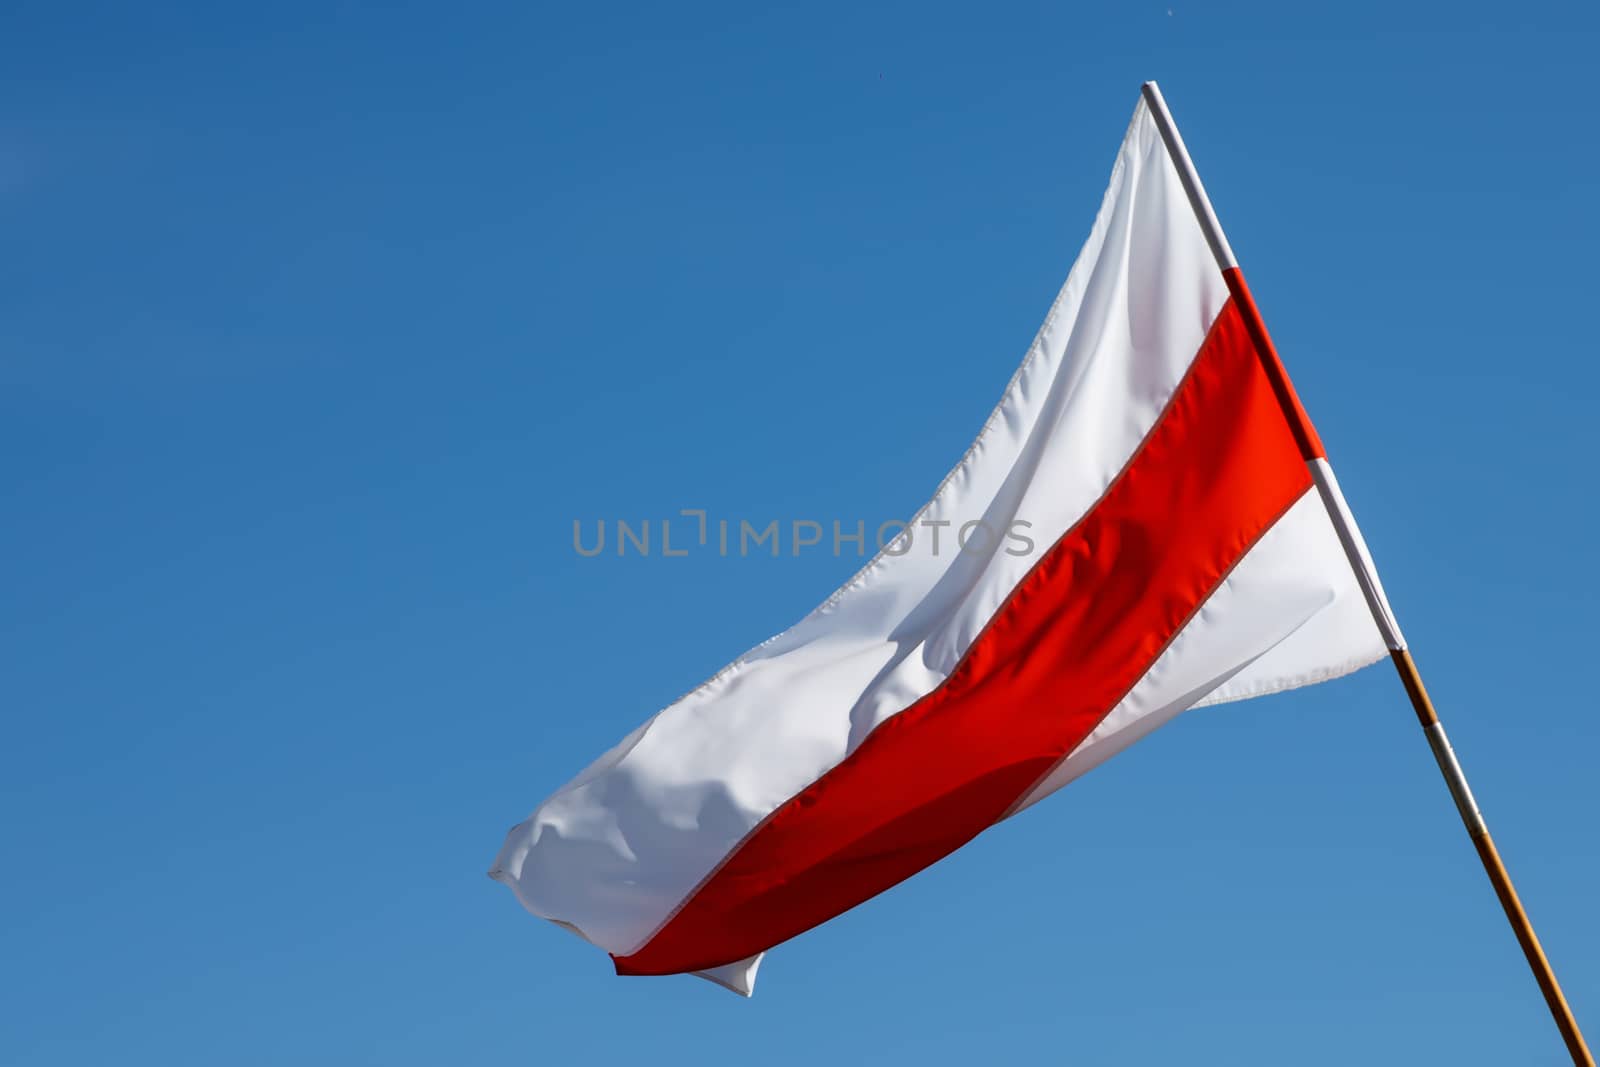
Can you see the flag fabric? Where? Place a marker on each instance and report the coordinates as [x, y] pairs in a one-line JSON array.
[[1182, 558]]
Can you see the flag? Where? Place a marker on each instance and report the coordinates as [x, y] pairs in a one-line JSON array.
[[1157, 463]]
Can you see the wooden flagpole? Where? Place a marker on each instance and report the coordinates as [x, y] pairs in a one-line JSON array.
[[1367, 576]]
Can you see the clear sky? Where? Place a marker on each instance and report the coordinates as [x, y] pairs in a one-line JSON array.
[[320, 324]]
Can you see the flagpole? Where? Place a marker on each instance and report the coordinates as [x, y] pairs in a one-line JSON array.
[[1367, 577]]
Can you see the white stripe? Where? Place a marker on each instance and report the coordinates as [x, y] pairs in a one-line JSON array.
[[1190, 176], [614, 852], [1355, 550]]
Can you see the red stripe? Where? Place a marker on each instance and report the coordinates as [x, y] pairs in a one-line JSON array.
[[1219, 468], [1305, 434]]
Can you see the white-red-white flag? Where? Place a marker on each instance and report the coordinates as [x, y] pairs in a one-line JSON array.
[[1182, 558]]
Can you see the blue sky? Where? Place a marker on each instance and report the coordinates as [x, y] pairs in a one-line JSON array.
[[320, 325]]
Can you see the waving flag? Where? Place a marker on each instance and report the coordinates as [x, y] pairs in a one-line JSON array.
[[1183, 558]]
